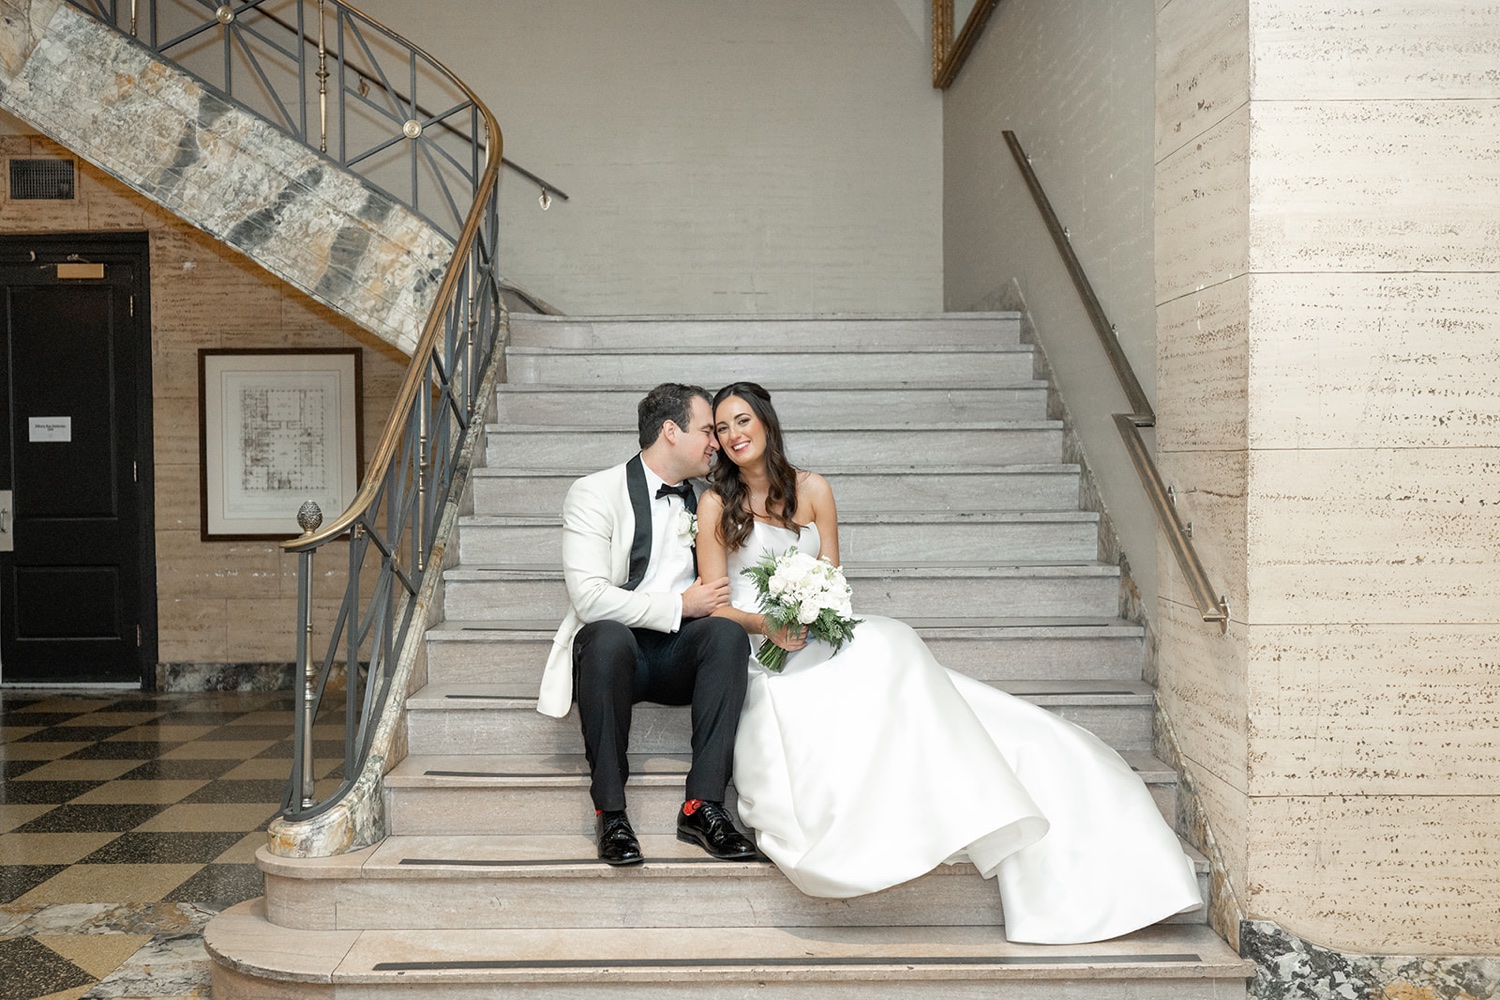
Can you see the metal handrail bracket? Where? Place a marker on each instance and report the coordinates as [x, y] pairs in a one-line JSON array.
[[1212, 608]]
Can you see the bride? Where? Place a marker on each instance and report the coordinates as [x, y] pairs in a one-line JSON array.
[[865, 768]]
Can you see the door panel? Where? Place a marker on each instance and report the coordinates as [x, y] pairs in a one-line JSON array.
[[77, 594]]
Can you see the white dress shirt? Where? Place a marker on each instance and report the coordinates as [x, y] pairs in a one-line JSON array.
[[670, 570]]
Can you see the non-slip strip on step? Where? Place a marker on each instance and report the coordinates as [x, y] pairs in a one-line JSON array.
[[841, 961]]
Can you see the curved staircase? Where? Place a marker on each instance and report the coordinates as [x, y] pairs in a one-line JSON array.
[[952, 501]]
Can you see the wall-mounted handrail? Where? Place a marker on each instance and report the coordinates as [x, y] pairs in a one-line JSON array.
[[1179, 536], [391, 528]]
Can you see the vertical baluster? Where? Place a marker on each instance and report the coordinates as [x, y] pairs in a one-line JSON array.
[[412, 132], [423, 405], [134, 20], [471, 377], [322, 83], [353, 704], [309, 518], [302, 71]]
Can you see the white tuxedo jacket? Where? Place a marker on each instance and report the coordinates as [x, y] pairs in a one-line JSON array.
[[606, 543]]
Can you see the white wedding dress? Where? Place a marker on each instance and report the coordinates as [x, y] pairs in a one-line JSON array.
[[871, 766]]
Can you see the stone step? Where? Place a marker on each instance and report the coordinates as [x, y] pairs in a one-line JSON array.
[[713, 366], [1103, 649], [1000, 442], [257, 960], [873, 488], [525, 794], [802, 407], [557, 881], [992, 329], [980, 588], [1055, 536], [447, 719]]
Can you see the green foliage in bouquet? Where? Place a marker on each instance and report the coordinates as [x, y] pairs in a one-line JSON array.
[[799, 590]]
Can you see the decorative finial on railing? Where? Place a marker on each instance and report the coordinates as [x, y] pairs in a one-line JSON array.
[[309, 517]]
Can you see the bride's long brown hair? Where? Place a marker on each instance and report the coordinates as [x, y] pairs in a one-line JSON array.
[[781, 494]]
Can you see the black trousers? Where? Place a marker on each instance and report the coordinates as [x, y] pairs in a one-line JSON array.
[[702, 664]]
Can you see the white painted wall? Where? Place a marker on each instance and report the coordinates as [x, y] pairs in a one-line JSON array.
[[1075, 80], [769, 157]]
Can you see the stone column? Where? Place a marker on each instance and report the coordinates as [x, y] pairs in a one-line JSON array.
[[1328, 329]]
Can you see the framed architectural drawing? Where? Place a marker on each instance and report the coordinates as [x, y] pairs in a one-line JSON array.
[[277, 428]]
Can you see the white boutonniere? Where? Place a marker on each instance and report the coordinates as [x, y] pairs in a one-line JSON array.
[[687, 528]]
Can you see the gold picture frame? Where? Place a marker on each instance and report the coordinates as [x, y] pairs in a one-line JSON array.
[[949, 50]]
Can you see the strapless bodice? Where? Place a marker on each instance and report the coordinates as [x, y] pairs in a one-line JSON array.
[[765, 538]]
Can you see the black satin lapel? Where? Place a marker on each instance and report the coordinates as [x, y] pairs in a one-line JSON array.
[[640, 503], [691, 502]]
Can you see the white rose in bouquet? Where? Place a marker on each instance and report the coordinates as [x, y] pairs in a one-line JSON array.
[[796, 588]]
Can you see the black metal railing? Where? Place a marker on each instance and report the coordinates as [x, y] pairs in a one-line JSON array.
[[390, 529], [1212, 607], [336, 80]]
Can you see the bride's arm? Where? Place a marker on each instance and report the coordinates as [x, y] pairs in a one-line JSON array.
[[813, 489], [713, 564]]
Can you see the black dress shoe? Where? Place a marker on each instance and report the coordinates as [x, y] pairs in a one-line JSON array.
[[617, 843], [710, 827]]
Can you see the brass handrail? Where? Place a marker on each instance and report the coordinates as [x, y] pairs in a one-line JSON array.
[[1179, 536], [391, 526]]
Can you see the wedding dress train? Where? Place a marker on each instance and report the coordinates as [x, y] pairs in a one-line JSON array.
[[865, 768]]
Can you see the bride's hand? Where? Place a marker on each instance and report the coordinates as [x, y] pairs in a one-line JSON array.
[[791, 638]]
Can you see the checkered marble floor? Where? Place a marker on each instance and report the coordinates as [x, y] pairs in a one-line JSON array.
[[126, 821]]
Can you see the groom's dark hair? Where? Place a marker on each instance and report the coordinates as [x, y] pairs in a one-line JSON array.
[[668, 401]]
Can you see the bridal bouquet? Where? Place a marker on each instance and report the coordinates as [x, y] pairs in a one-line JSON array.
[[796, 589]]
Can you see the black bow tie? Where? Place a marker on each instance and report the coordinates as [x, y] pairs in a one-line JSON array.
[[682, 489]]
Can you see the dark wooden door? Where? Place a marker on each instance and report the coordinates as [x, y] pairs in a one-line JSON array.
[[77, 589]]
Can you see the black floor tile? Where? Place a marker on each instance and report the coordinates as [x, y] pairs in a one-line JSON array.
[[91, 819], [35, 718], [33, 793], [250, 732], [72, 734], [221, 884], [16, 768], [30, 969], [196, 718], [178, 770], [322, 749], [121, 751], [239, 790], [176, 848], [17, 880]]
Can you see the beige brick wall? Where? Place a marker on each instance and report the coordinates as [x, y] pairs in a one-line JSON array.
[[217, 602]]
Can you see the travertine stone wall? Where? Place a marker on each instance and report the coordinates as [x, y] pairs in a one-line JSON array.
[[227, 171], [217, 602], [1328, 346]]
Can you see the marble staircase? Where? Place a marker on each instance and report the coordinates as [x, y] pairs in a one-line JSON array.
[[957, 516]]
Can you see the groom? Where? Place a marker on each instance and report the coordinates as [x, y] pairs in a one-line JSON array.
[[638, 628]]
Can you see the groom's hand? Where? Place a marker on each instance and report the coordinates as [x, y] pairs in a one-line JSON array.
[[705, 597]]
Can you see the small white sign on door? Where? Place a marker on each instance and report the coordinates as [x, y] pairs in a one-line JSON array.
[[51, 428]]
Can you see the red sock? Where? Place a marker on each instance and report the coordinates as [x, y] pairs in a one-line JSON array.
[[691, 806]]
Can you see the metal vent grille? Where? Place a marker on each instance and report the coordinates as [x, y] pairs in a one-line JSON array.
[[41, 180]]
